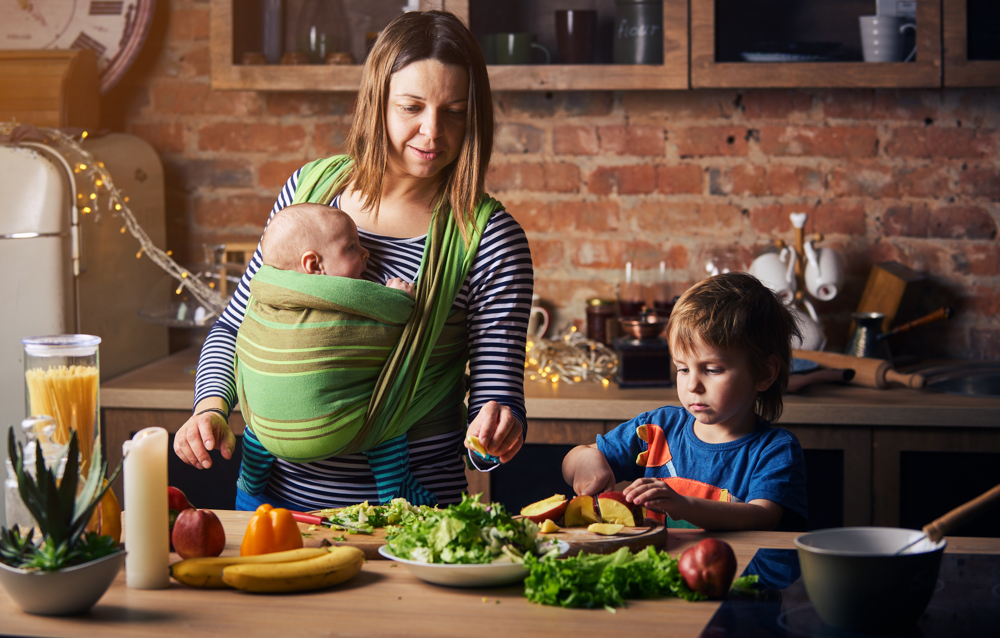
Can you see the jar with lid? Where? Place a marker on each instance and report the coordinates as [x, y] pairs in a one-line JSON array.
[[601, 316], [62, 377], [38, 429], [638, 32]]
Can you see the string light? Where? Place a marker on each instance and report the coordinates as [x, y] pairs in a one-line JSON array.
[[570, 359], [94, 172]]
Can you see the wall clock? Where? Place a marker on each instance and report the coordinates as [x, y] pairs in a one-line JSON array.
[[112, 29]]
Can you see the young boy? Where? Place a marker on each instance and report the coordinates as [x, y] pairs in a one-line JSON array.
[[716, 463], [317, 240]]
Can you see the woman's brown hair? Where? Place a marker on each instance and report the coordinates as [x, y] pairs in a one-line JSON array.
[[412, 37], [735, 312]]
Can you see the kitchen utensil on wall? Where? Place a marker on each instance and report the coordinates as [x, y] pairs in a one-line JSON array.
[[638, 32], [941, 313], [576, 35], [871, 373], [882, 38], [866, 340], [957, 517]]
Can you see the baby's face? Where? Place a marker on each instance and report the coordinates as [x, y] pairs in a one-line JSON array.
[[343, 255]]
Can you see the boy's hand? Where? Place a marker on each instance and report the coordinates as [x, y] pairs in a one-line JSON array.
[[586, 469], [399, 284], [655, 495]]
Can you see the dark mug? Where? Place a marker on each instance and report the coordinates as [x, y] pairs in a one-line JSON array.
[[576, 35], [515, 48]]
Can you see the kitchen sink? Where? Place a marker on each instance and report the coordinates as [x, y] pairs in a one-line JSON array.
[[978, 378]]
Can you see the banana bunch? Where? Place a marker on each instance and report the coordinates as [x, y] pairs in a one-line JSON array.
[[294, 570]]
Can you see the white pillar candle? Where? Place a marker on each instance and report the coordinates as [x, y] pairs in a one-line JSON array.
[[147, 540]]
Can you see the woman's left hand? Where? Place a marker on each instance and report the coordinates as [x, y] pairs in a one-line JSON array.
[[498, 430]]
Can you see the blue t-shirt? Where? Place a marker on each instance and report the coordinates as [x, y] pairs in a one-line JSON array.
[[765, 464]]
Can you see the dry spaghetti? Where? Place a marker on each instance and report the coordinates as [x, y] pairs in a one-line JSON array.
[[69, 395]]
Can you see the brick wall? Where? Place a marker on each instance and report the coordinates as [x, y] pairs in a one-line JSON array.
[[601, 178]]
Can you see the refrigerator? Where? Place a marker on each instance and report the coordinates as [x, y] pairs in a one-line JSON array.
[[63, 272]]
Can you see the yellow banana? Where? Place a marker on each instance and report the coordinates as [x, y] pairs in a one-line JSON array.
[[340, 564], [207, 572]]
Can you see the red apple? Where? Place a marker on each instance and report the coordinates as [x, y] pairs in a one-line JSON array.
[[580, 512], [616, 509], [198, 533], [708, 567], [549, 509], [177, 502]]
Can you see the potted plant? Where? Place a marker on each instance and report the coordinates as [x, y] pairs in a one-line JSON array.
[[62, 569]]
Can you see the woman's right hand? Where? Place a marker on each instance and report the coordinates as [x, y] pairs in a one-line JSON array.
[[201, 433]]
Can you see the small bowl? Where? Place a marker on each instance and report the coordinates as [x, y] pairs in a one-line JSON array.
[[643, 327], [857, 583], [64, 592]]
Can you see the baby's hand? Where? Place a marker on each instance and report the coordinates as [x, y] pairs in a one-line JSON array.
[[399, 284], [655, 495]]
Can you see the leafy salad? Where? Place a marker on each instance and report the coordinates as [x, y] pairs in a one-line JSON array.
[[470, 532], [363, 518]]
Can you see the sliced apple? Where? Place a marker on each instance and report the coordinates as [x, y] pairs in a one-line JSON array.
[[605, 529], [548, 509], [549, 526], [580, 512], [616, 509]]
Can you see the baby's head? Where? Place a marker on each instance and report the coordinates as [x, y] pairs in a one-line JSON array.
[[314, 239], [736, 313]]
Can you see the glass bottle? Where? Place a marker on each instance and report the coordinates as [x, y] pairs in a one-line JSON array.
[[41, 429], [62, 378], [322, 28]]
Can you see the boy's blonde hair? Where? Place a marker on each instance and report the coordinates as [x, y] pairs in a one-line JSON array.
[[735, 312]]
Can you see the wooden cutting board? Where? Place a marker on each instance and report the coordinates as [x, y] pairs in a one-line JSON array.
[[635, 538], [578, 539]]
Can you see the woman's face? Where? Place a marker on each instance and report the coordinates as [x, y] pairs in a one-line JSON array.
[[425, 117]]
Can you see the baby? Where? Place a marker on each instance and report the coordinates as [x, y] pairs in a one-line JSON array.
[[717, 462], [317, 240]]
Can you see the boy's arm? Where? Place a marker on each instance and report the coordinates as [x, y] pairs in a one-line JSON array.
[[586, 469], [758, 514]]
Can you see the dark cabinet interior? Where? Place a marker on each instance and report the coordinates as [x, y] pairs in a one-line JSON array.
[[983, 29], [933, 483]]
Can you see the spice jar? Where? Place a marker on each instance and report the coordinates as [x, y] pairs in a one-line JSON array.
[[601, 315]]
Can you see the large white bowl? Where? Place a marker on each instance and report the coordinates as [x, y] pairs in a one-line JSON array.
[[479, 575], [856, 582], [65, 592]]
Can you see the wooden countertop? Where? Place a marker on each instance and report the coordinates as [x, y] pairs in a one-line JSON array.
[[168, 384], [385, 600]]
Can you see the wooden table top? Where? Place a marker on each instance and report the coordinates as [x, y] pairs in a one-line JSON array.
[[168, 384], [385, 600]]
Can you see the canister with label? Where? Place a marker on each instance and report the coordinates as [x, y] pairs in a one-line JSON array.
[[638, 32]]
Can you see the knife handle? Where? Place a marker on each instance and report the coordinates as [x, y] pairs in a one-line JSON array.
[[308, 519]]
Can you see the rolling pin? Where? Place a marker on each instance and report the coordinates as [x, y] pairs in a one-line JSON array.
[[871, 373]]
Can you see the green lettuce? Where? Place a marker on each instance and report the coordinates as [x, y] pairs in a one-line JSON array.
[[595, 580]]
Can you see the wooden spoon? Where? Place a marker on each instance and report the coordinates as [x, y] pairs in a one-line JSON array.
[[934, 530]]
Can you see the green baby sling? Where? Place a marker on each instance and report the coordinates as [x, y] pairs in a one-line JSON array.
[[330, 366]]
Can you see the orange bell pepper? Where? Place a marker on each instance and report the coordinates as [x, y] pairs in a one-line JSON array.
[[270, 530]]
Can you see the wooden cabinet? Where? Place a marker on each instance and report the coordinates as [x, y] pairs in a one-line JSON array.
[[971, 43], [806, 43]]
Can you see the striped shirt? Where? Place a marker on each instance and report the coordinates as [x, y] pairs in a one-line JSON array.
[[497, 297]]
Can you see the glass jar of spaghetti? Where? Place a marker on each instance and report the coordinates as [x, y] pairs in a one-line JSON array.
[[61, 379]]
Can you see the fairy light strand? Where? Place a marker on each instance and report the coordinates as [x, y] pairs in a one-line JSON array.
[[570, 359], [90, 170]]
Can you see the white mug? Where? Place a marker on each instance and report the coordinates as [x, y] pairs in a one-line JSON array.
[[809, 327], [824, 272], [882, 38], [777, 272], [538, 319]]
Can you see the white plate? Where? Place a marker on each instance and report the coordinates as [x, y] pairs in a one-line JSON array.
[[478, 575]]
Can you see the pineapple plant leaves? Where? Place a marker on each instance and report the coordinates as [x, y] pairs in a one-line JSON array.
[[60, 512]]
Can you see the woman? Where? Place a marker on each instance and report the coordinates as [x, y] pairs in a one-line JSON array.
[[422, 135]]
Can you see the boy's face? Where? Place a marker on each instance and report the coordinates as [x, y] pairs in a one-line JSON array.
[[717, 387], [343, 255]]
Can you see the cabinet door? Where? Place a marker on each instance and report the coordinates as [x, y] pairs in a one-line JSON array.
[[971, 42], [803, 43]]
